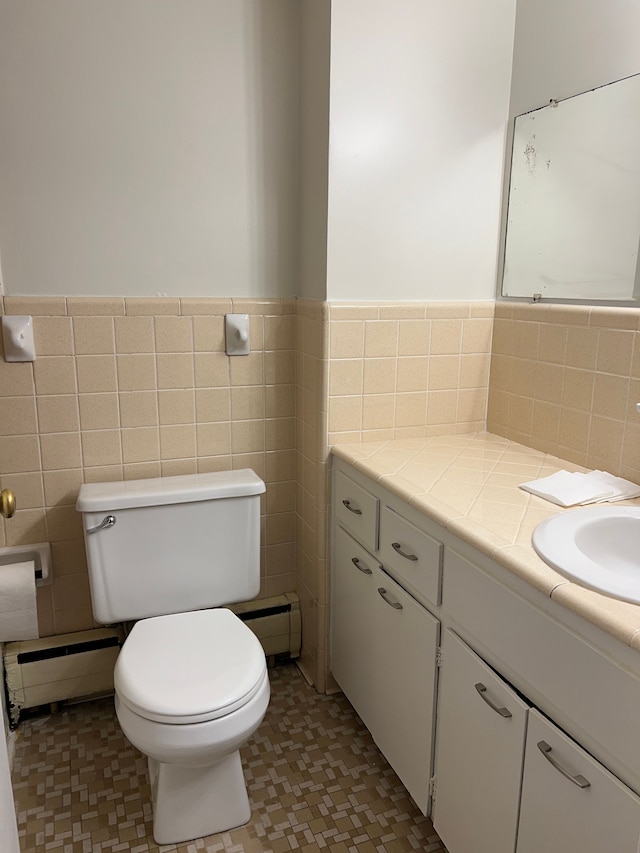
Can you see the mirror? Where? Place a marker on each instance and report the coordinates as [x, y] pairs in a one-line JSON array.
[[573, 218]]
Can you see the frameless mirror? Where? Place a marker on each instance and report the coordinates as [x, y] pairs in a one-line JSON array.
[[573, 218]]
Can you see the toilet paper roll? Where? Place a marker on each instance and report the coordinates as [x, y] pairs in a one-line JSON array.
[[18, 612]]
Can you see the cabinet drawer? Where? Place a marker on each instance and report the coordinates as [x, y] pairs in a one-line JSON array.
[[410, 555], [569, 801], [357, 510]]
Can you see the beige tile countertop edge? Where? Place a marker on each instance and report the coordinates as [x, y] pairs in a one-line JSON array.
[[422, 471]]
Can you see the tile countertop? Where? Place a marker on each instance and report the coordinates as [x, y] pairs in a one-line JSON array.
[[469, 485]]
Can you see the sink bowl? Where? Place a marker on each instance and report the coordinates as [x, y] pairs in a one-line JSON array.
[[597, 546]]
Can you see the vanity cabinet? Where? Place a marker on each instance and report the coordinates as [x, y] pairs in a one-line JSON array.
[[481, 733], [532, 700], [383, 655]]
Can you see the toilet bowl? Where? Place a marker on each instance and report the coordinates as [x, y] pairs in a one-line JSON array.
[[191, 688], [191, 683]]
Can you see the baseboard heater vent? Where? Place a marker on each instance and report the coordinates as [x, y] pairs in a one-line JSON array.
[[275, 621], [66, 666]]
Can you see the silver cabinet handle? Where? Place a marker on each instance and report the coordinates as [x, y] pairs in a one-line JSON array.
[[364, 569], [482, 691], [352, 509], [107, 521], [578, 780], [395, 604], [397, 547]]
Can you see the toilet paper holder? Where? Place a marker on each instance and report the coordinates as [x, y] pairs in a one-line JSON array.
[[39, 553]]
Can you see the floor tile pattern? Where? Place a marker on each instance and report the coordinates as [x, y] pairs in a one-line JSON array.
[[316, 782]]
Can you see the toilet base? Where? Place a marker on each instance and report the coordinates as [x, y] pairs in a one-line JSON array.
[[191, 802]]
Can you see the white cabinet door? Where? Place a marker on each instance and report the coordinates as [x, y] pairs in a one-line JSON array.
[[479, 753], [570, 803], [352, 628], [405, 647]]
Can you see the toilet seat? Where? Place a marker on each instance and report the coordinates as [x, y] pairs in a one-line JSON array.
[[189, 667]]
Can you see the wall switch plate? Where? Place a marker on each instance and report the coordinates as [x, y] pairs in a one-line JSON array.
[[17, 332]]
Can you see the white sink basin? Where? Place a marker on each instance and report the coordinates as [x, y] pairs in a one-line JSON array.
[[597, 546]]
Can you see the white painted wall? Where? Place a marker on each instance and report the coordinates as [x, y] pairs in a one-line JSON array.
[[563, 47], [149, 147], [315, 71], [419, 103]]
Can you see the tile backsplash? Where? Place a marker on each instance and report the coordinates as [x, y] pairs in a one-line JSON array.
[[126, 388], [135, 388]]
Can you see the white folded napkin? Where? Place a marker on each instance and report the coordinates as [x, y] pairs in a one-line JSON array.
[[573, 489]]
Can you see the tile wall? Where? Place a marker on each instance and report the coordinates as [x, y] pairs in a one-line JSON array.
[[565, 380], [131, 388]]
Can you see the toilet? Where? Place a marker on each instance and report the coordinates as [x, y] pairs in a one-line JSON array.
[[191, 682]]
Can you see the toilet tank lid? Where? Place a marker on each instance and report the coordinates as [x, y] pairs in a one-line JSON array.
[[99, 497]]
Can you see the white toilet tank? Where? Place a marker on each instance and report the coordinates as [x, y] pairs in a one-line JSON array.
[[171, 544]]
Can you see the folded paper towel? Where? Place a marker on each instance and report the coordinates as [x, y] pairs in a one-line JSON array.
[[18, 612], [577, 489]]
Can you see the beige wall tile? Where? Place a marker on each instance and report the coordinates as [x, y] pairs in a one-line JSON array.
[[71, 592], [380, 339], [61, 487], [176, 467], [134, 334], [347, 339], [213, 404], [177, 442], [403, 311], [446, 337], [152, 307], [16, 379], [44, 306], [96, 373], [441, 407], [69, 621], [27, 488], [247, 436], [553, 343], [95, 306], [472, 406], [605, 440], [549, 382], [444, 372], [209, 464], [212, 370], [18, 416], [278, 369], [60, 450], [103, 474], [414, 337], [577, 392], [136, 372], [55, 375], [279, 401], [208, 334], [175, 370], [140, 445], [546, 420], [379, 375], [474, 371], [278, 332], [378, 411], [345, 377], [69, 557], [250, 369], [573, 429], [412, 373], [520, 414], [93, 335], [610, 396], [199, 305], [615, 351], [101, 447], [411, 409], [214, 439], [582, 347], [476, 335], [53, 336], [19, 454], [279, 433], [58, 413], [27, 527], [176, 407], [174, 334], [345, 414], [248, 403], [138, 408], [99, 411], [141, 470]]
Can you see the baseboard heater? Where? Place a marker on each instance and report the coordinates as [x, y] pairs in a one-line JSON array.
[[275, 621], [80, 665], [66, 666]]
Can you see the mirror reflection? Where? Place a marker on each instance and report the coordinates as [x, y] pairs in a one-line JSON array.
[[573, 220]]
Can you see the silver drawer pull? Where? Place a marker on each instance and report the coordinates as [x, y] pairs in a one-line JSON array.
[[364, 569], [482, 690], [397, 547], [395, 604], [578, 780], [107, 521], [352, 509]]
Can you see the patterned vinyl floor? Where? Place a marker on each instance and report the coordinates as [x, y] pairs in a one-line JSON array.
[[316, 782]]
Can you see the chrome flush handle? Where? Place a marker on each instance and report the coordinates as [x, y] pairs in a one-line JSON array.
[[107, 521]]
